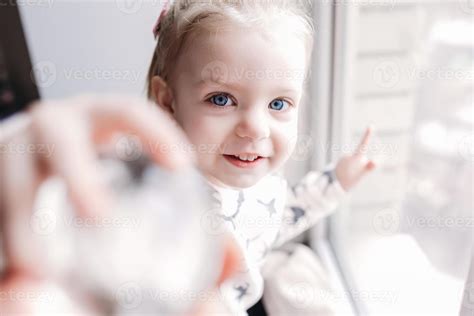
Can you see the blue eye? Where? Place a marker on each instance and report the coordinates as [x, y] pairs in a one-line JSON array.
[[220, 99], [278, 104]]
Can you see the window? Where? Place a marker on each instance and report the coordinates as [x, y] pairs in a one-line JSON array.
[[403, 239]]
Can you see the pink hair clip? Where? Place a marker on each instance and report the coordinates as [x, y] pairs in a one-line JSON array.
[[164, 11]]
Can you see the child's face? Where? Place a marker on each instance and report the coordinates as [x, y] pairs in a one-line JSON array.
[[237, 93]]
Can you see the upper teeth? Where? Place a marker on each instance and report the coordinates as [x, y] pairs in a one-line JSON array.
[[246, 157]]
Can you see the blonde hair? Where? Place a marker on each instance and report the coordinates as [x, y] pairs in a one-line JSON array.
[[187, 16]]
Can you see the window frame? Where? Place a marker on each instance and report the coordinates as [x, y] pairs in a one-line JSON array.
[[332, 115], [331, 54]]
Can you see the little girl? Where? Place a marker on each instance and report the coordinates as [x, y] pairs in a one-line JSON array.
[[231, 73]]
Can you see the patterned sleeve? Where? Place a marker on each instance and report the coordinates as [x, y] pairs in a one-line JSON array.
[[314, 197]]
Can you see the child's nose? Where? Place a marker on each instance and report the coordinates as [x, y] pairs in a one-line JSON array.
[[254, 125]]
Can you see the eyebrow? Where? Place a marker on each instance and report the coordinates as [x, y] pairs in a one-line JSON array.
[[232, 85], [236, 85]]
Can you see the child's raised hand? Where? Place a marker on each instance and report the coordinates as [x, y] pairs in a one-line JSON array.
[[73, 128], [351, 168]]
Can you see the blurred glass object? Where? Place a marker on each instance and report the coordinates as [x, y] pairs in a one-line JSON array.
[[152, 253]]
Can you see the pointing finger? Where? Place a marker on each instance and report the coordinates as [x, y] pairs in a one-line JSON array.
[[362, 147]]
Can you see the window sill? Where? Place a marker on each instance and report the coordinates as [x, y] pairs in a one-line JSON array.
[[342, 301], [394, 277]]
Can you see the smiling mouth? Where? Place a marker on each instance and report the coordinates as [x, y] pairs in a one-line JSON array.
[[244, 163]]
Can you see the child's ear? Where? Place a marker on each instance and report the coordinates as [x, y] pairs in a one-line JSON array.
[[162, 94]]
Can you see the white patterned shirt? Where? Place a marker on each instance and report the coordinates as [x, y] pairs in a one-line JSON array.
[[264, 217]]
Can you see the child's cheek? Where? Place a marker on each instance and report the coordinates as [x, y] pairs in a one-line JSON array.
[[202, 134], [285, 142]]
